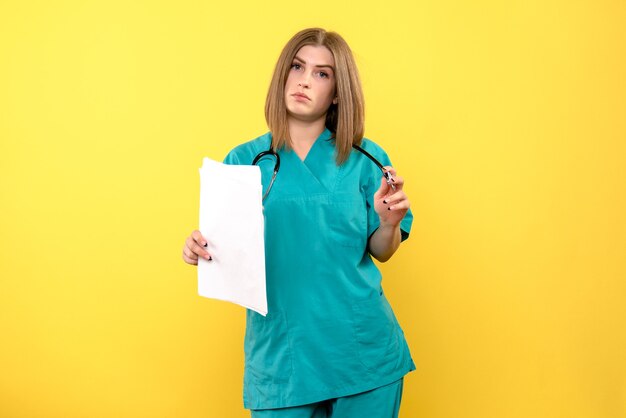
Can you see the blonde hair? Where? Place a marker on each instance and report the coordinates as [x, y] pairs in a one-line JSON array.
[[344, 119]]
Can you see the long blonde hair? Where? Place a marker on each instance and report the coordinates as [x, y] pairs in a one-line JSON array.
[[344, 119]]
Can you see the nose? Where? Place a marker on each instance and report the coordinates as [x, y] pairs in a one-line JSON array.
[[304, 81]]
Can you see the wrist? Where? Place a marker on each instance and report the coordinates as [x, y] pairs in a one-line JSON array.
[[389, 225]]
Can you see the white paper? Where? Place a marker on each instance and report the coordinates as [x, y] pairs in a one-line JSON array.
[[231, 220]]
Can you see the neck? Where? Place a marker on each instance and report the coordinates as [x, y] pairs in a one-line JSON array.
[[304, 133]]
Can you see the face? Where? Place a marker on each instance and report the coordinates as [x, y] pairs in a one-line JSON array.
[[310, 86]]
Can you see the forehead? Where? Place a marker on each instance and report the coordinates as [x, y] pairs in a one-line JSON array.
[[316, 55]]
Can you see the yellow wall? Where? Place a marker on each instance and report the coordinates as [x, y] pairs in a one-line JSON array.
[[507, 118]]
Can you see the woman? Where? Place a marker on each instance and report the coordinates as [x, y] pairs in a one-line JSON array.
[[330, 345]]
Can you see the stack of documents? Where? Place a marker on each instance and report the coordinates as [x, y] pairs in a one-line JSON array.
[[231, 220]]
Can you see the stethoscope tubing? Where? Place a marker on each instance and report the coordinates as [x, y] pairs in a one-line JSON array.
[[386, 173], [276, 167], [273, 153]]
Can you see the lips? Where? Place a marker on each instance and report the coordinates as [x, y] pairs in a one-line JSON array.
[[301, 95]]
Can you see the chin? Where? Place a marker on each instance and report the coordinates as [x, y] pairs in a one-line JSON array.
[[306, 117]]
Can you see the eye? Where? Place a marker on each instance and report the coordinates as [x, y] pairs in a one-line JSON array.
[[323, 74], [296, 66]]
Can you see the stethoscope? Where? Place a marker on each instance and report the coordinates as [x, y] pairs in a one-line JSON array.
[[271, 152]]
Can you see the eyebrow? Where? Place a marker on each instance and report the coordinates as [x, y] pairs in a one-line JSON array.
[[318, 66]]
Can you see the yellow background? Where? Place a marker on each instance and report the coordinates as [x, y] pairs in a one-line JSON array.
[[507, 119]]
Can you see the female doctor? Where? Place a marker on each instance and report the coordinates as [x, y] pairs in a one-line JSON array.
[[330, 345]]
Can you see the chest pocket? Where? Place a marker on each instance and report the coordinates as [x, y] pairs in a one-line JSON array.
[[347, 219]]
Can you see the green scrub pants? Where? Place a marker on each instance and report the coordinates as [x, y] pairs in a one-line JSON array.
[[383, 402]]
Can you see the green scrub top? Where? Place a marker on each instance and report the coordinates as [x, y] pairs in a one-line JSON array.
[[330, 332]]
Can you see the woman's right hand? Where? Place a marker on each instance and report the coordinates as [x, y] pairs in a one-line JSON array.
[[195, 245]]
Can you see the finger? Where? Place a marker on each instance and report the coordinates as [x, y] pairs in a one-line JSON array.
[[197, 237], [382, 190], [189, 254], [398, 181], [395, 197], [190, 260], [401, 205], [195, 248]]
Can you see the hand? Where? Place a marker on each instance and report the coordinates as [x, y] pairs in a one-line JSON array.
[[194, 247], [390, 205]]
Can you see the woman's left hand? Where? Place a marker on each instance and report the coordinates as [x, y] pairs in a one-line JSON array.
[[391, 205]]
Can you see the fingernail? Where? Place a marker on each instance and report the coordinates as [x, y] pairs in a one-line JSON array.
[[206, 244], [385, 202], [208, 257], [389, 208]]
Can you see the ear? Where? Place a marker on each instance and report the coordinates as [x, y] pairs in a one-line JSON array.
[[335, 100]]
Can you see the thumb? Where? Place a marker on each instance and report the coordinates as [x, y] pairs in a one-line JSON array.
[[382, 190]]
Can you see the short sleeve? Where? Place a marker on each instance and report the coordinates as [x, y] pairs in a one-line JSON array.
[[373, 183], [232, 158], [244, 154]]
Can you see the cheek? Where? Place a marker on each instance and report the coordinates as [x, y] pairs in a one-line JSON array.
[[293, 78], [329, 93], [288, 82]]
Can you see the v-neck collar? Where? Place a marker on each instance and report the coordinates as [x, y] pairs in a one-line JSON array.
[[318, 166], [324, 136]]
